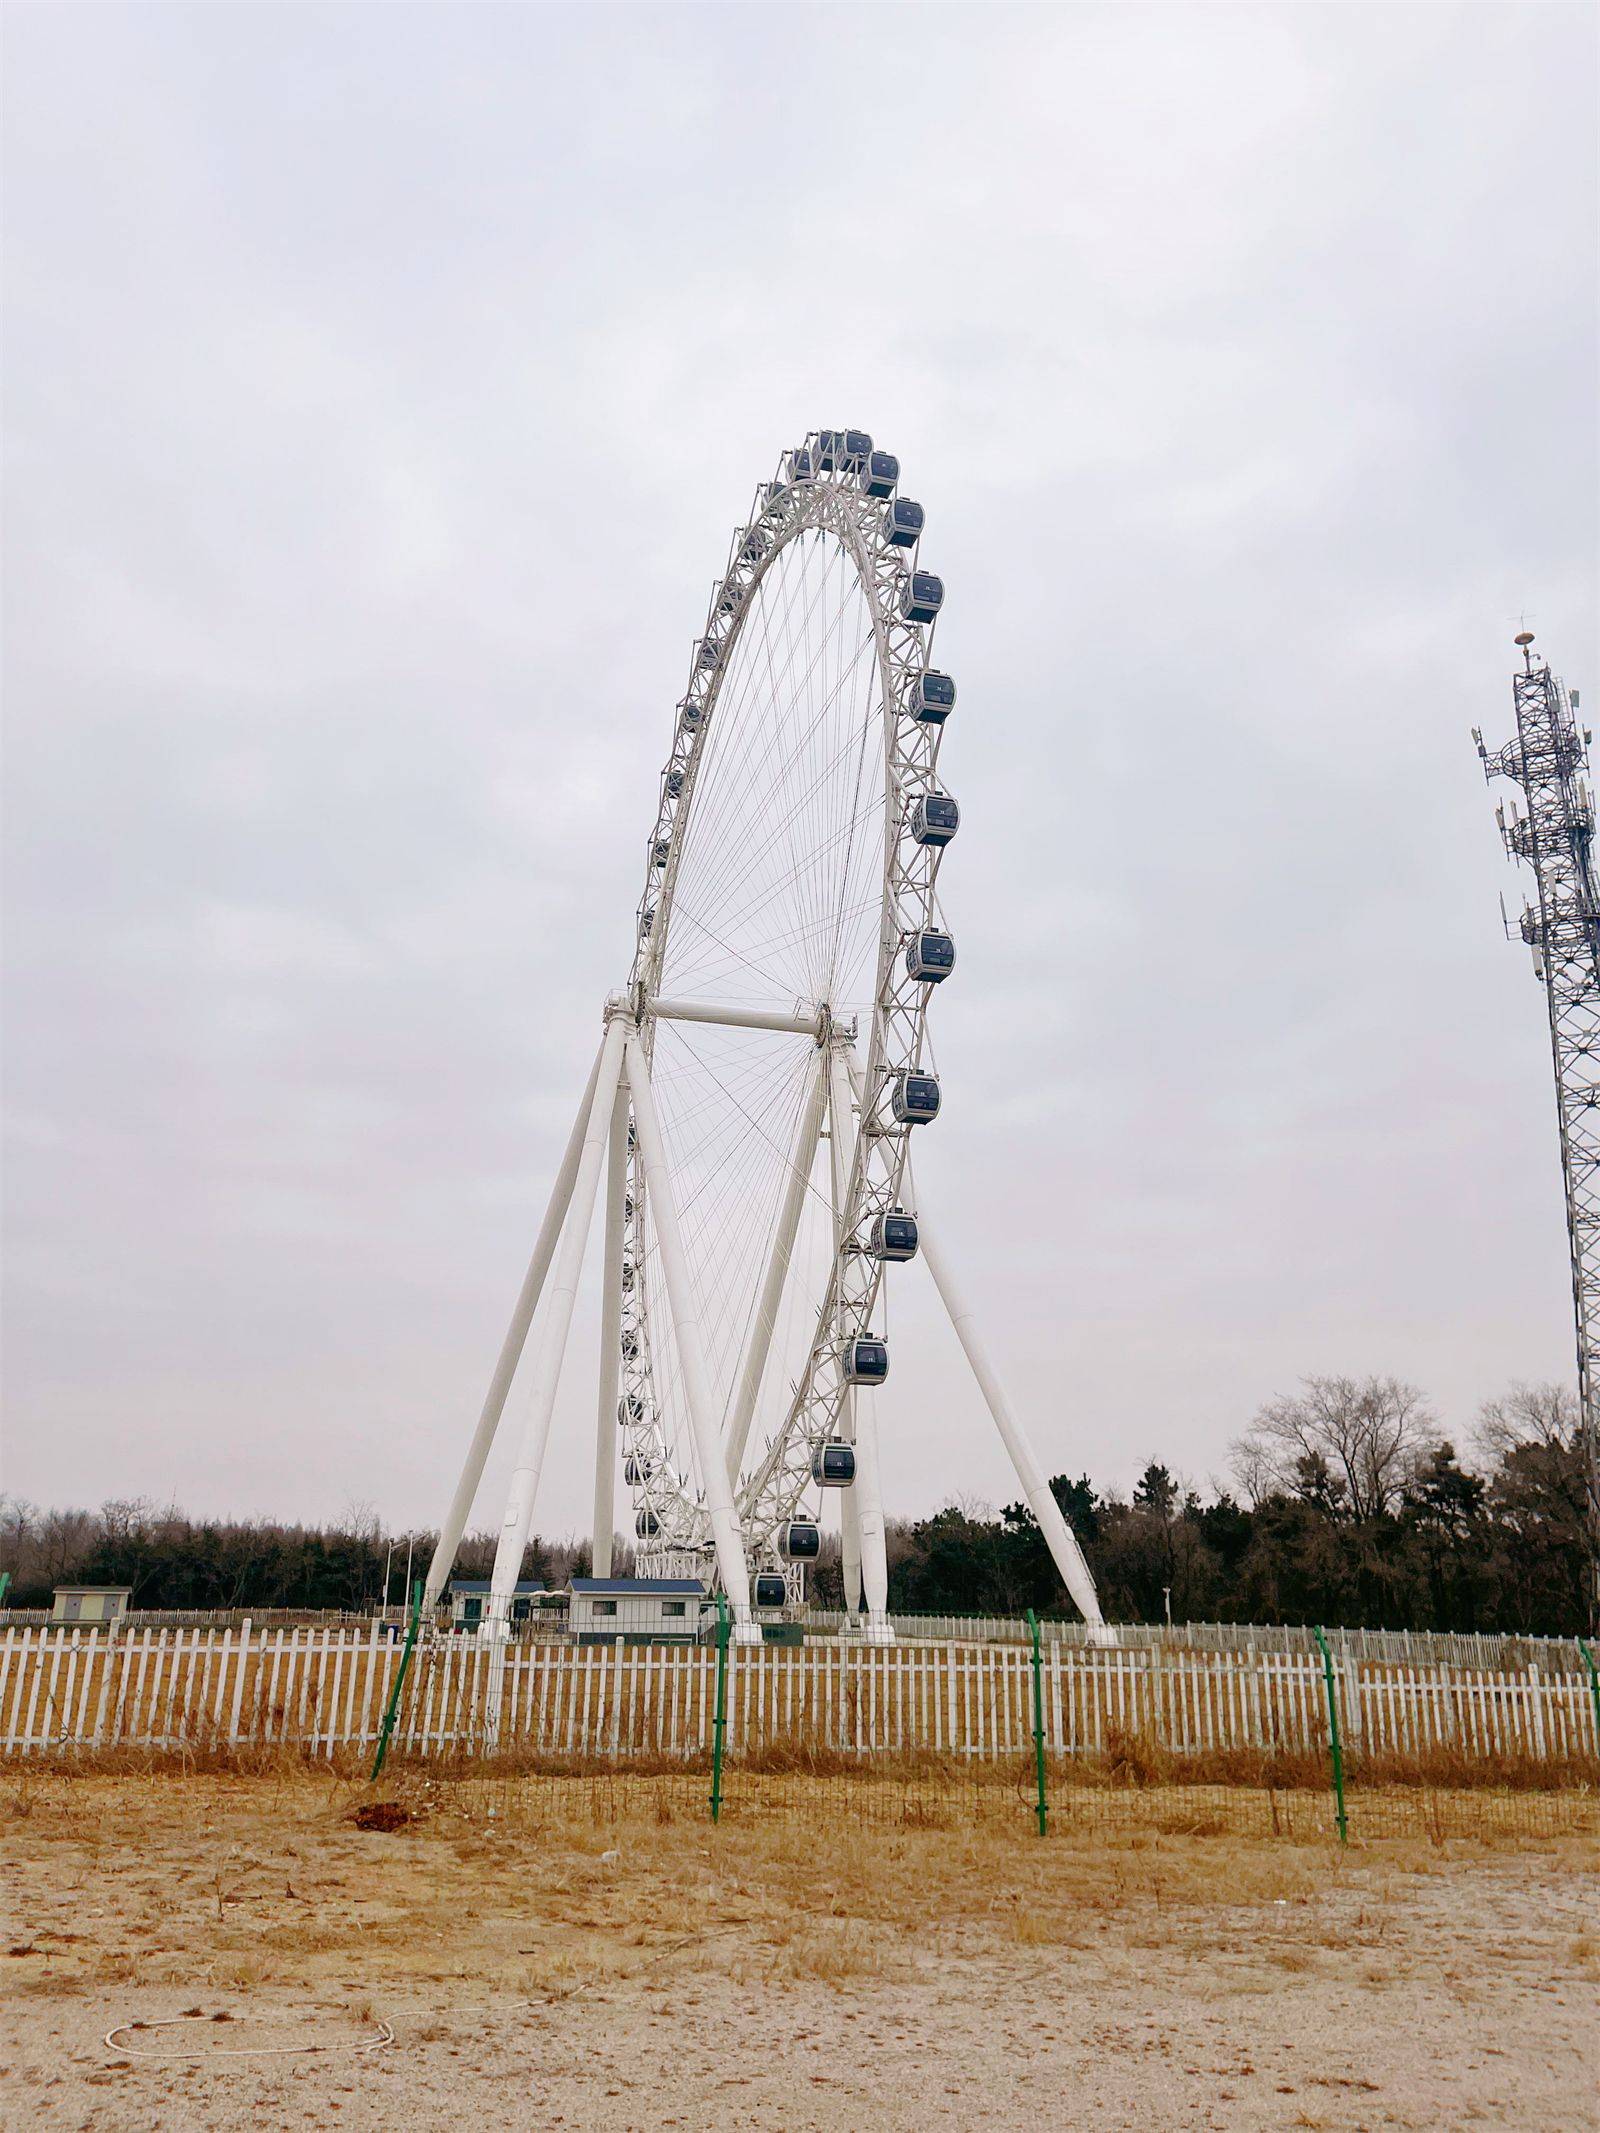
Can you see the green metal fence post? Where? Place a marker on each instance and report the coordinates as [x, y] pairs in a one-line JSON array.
[[1335, 1752], [1594, 1690], [1043, 1809], [5, 1585], [719, 1718], [399, 1681]]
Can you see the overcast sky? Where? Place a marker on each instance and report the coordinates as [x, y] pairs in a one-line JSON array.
[[383, 383]]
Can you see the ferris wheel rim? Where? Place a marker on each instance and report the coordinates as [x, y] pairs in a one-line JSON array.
[[669, 1519]]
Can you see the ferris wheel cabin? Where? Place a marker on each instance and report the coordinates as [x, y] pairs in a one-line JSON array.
[[647, 1525], [935, 818], [903, 523], [800, 1540], [893, 1235], [769, 1589], [882, 474], [833, 1465], [636, 1471], [933, 697], [930, 957], [915, 1097], [921, 596], [866, 1361]]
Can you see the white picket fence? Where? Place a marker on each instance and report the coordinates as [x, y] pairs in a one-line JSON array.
[[322, 1690]]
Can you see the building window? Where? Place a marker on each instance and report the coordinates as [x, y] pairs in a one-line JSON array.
[[674, 1607], [605, 1607]]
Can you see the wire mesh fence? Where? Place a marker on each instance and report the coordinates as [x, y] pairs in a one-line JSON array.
[[999, 1801]]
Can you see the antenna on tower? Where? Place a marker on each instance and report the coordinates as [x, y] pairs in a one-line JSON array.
[[1548, 760]]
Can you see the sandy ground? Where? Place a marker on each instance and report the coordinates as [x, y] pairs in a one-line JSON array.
[[541, 1969]]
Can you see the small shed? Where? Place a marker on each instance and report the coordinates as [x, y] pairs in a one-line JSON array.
[[469, 1600], [649, 1610], [91, 1603]]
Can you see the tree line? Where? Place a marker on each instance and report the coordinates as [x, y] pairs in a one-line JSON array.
[[1346, 1505]]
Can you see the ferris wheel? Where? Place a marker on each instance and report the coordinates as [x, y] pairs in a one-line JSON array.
[[762, 1076]]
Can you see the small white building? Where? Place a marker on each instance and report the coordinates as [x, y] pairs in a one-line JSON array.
[[91, 1603], [607, 1610]]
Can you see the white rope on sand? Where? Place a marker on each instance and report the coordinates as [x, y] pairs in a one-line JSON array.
[[237, 2051]]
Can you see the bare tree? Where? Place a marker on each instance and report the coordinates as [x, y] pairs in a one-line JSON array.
[[65, 1538], [360, 1518], [1368, 1433], [1255, 1469], [1546, 1415], [20, 1549]]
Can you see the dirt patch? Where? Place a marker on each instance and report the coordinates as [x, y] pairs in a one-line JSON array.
[[382, 1815], [567, 1958]]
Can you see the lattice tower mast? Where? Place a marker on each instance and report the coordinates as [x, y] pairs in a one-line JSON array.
[[1553, 832]]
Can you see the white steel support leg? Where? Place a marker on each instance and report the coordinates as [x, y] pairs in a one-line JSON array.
[[850, 1545], [1059, 1536], [871, 1542], [841, 1152], [557, 1325], [731, 1563], [605, 1436], [766, 1319], [455, 1519], [874, 1546]]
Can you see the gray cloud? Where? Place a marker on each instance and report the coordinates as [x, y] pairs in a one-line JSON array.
[[382, 387]]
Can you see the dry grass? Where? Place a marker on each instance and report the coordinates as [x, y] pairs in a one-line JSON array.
[[251, 1880], [593, 1933], [272, 1880], [1129, 1760]]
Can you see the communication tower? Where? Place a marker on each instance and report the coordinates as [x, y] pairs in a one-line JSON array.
[[1553, 830]]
